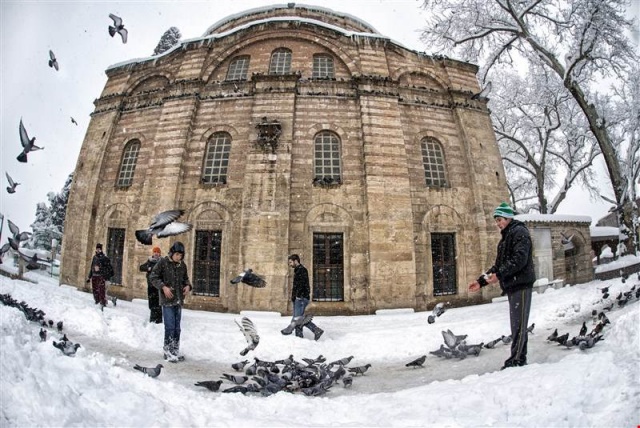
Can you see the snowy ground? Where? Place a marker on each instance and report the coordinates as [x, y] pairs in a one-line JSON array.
[[98, 387]]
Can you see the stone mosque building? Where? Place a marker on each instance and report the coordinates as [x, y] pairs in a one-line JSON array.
[[293, 129]]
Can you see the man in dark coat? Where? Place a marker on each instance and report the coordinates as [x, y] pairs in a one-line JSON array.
[[100, 271], [300, 294], [170, 277], [153, 294], [514, 270]]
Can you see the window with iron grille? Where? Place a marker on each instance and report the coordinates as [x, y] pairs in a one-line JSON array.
[[280, 61], [327, 156], [328, 267], [433, 161], [238, 68], [206, 262], [115, 251], [216, 159], [322, 66], [128, 164], [443, 257]]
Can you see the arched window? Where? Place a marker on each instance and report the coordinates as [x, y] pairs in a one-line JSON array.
[[216, 159], [238, 68], [327, 158], [128, 163], [323, 67], [280, 61], [435, 173]]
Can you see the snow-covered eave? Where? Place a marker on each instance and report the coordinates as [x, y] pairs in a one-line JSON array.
[[603, 233], [553, 218], [261, 9], [352, 34]]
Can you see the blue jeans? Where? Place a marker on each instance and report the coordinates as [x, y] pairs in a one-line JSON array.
[[172, 316], [299, 305]]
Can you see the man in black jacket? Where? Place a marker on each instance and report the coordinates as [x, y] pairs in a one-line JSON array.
[[155, 310], [170, 277], [300, 294], [514, 270], [100, 272]]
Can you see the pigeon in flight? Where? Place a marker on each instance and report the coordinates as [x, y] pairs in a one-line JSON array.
[[3, 250], [437, 311], [14, 241], [250, 334], [11, 188], [150, 371], [418, 362], [53, 62], [484, 93], [118, 27], [211, 385], [74, 121], [27, 144], [67, 347], [32, 262], [250, 278], [163, 224]]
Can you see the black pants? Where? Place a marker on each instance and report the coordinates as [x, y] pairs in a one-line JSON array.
[[519, 307], [154, 305]]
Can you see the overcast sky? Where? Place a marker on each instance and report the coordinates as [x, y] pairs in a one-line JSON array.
[[77, 34]]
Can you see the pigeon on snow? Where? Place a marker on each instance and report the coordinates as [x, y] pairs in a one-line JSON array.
[[343, 361], [118, 27], [250, 278], [59, 326], [43, 335], [239, 366], [163, 224], [67, 347], [359, 370], [211, 385], [150, 371], [418, 362], [238, 380], [11, 188], [53, 62], [28, 145]]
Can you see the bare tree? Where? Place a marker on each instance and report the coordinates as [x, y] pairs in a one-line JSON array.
[[582, 42], [544, 140]]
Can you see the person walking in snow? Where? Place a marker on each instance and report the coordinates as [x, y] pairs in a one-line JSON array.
[[514, 270], [300, 294], [153, 294], [171, 279], [100, 272]]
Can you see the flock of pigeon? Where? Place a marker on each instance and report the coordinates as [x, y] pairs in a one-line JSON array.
[[36, 315], [28, 146], [14, 244]]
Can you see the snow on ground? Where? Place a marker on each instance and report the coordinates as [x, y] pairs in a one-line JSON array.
[[98, 387]]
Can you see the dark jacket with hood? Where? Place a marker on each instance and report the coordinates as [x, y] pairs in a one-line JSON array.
[[104, 266], [300, 283], [148, 267], [173, 275], [514, 261]]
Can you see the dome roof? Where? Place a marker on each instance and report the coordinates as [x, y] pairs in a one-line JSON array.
[[296, 12]]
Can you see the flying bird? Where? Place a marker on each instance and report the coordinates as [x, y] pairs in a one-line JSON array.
[[484, 93], [163, 224], [74, 121], [150, 371], [118, 27], [14, 241], [11, 188], [3, 250], [53, 62], [250, 334], [211, 385], [250, 278], [32, 262], [28, 145], [418, 362]]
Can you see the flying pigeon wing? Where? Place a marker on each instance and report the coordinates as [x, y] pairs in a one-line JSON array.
[[238, 278], [165, 218], [117, 21], [449, 339], [11, 182], [249, 331], [124, 33], [174, 229], [15, 230], [24, 137], [253, 280]]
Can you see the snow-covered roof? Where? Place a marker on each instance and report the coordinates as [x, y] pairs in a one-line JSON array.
[[554, 218], [606, 232], [261, 9], [348, 33]]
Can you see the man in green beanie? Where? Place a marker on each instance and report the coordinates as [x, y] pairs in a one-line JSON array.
[[513, 269]]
